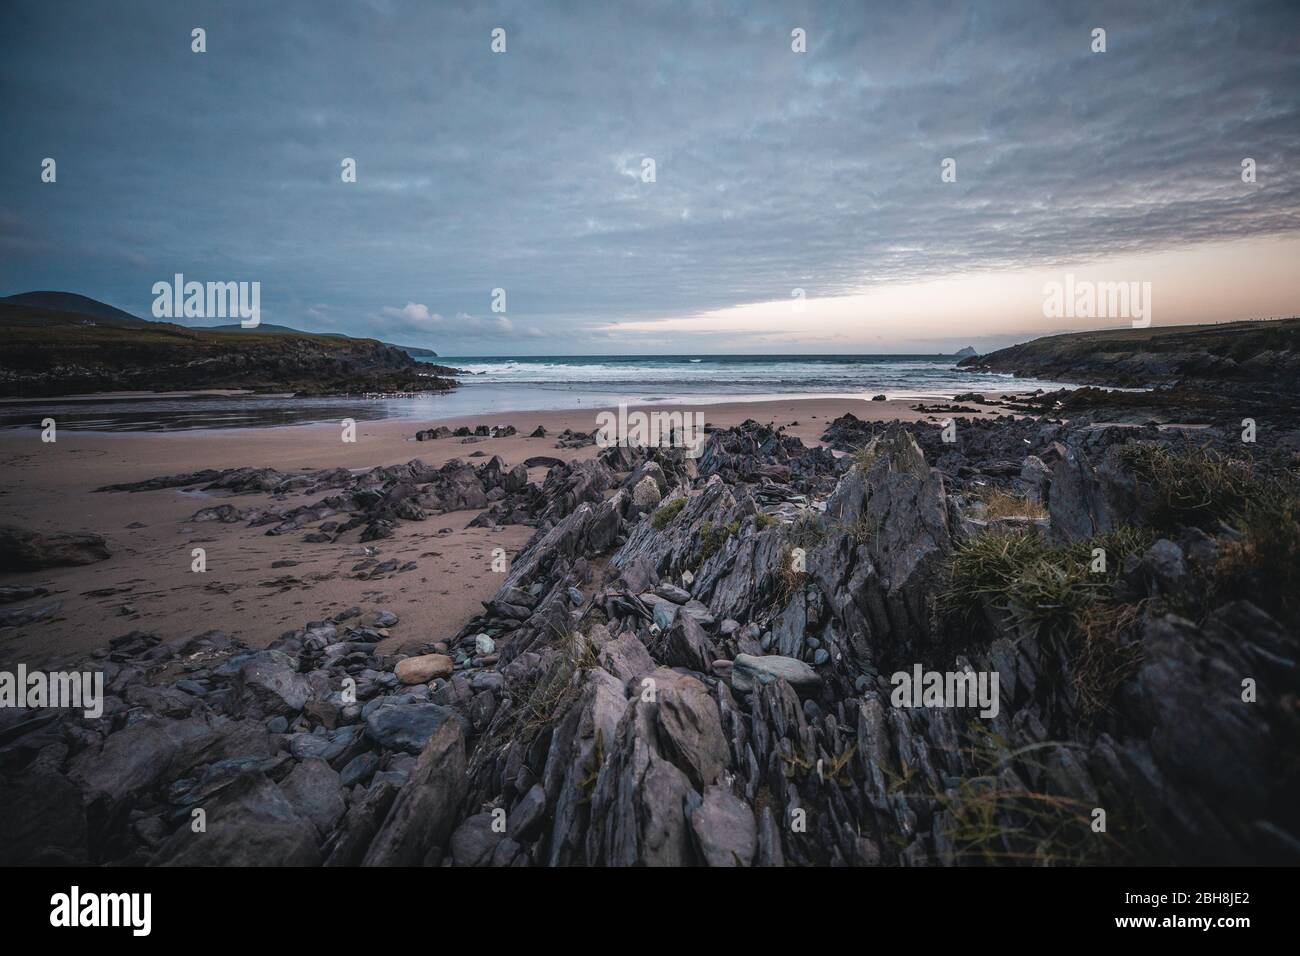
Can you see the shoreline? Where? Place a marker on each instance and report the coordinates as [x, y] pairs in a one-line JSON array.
[[719, 403]]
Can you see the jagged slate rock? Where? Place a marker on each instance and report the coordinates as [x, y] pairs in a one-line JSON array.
[[665, 791], [164, 701], [672, 592], [748, 673], [17, 722], [138, 757], [900, 502], [689, 646], [586, 732], [724, 829], [362, 822], [269, 684], [30, 614], [1035, 478], [586, 529], [747, 586], [646, 495], [475, 841], [358, 770], [509, 853], [769, 840], [1087, 497], [315, 790], [598, 635], [409, 726], [673, 547], [1201, 729], [225, 514], [572, 484], [626, 658], [302, 746], [22, 549], [424, 668], [517, 478], [690, 727], [528, 815], [44, 831], [425, 812], [649, 469], [636, 576], [1166, 567], [638, 804], [249, 823], [665, 612]]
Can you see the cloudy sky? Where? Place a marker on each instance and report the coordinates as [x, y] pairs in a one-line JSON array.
[[775, 171]]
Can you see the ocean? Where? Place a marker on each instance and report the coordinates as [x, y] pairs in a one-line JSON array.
[[534, 383]]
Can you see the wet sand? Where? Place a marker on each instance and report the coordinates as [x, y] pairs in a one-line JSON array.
[[147, 584]]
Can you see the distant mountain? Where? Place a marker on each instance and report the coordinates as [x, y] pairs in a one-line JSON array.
[[271, 327], [58, 343]]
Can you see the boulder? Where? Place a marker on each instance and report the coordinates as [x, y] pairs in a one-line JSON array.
[[724, 829], [421, 820], [22, 549], [249, 823], [424, 668]]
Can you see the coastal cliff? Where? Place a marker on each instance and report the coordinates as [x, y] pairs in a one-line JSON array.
[[49, 352], [1259, 354]]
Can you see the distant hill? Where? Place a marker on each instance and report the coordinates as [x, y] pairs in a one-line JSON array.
[[70, 302], [1262, 354], [55, 343]]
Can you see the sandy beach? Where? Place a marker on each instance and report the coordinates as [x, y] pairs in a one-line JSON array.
[[248, 591]]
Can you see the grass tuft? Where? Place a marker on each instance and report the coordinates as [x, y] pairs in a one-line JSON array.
[[666, 513], [1002, 504]]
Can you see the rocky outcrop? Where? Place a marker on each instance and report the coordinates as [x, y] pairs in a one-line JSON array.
[[49, 351], [711, 681], [22, 549], [1257, 354]]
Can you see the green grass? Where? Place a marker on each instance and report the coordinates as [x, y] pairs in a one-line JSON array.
[[1264, 565], [993, 819], [666, 513], [1047, 592], [714, 537], [1192, 485], [1204, 488]]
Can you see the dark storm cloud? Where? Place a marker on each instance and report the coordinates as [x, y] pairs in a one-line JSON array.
[[521, 170]]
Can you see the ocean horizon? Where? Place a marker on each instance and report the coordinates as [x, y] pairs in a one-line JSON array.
[[496, 384]]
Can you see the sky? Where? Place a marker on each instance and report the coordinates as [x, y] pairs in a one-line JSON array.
[[798, 202]]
